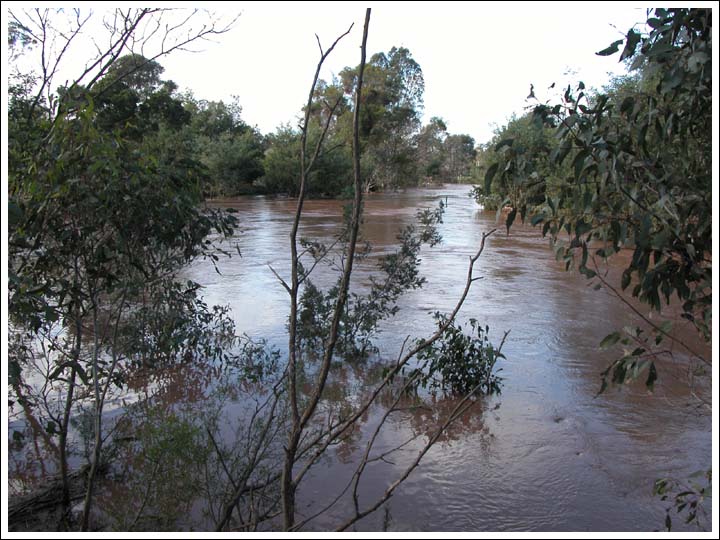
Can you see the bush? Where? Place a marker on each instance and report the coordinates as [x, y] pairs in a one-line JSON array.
[[458, 363]]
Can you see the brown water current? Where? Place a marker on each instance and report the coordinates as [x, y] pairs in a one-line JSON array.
[[545, 454]]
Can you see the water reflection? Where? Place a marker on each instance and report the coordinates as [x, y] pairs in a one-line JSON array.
[[547, 454]]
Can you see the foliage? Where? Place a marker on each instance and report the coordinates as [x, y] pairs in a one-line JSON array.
[[430, 149], [459, 156], [459, 363], [231, 152], [522, 148], [330, 176], [360, 321], [639, 173], [687, 499], [391, 107], [104, 205], [233, 162], [171, 323]]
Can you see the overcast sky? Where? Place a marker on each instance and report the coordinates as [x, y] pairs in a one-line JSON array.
[[478, 59]]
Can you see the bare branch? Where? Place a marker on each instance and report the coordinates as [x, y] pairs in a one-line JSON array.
[[281, 280], [457, 412]]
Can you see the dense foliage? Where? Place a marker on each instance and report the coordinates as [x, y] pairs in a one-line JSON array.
[[459, 363], [104, 209], [629, 168], [397, 151]]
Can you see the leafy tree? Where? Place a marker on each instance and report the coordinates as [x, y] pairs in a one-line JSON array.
[[135, 72], [132, 98], [230, 150], [330, 176], [637, 176], [214, 118], [391, 110], [459, 363], [430, 149], [459, 156], [528, 174], [103, 212]]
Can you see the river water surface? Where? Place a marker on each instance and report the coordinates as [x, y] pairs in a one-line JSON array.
[[546, 454]]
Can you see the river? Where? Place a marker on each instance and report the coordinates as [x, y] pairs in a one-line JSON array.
[[551, 456], [546, 454]]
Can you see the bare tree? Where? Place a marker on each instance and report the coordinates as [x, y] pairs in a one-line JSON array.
[[148, 32], [311, 430]]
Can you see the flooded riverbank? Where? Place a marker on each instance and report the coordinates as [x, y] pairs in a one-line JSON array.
[[547, 453]]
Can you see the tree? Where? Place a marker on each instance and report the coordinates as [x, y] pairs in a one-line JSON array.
[[641, 176], [460, 155], [99, 224], [328, 328], [520, 151], [430, 149], [331, 173], [392, 107], [230, 151]]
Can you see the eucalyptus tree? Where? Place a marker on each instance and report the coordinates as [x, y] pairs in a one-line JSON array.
[[100, 219], [638, 178], [430, 149], [391, 111], [332, 327]]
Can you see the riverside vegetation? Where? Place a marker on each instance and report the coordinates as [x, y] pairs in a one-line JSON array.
[[107, 178]]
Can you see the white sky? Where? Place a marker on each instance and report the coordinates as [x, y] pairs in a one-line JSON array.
[[478, 58]]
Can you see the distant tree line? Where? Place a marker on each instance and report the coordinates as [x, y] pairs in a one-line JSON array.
[[228, 157]]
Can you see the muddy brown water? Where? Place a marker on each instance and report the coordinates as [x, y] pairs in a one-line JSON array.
[[546, 454]]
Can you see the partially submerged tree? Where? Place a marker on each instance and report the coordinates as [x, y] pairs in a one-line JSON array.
[[100, 218], [342, 322]]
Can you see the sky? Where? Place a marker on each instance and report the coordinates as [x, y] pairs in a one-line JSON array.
[[478, 59]]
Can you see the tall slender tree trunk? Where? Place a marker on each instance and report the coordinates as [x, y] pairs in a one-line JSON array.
[[94, 464], [63, 441], [67, 410], [288, 487]]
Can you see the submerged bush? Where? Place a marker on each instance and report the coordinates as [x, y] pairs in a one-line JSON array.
[[459, 363]]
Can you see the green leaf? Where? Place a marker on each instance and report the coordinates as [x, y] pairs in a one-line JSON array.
[[610, 340], [625, 280], [489, 176], [579, 162], [627, 105], [612, 49], [651, 378], [633, 38]]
